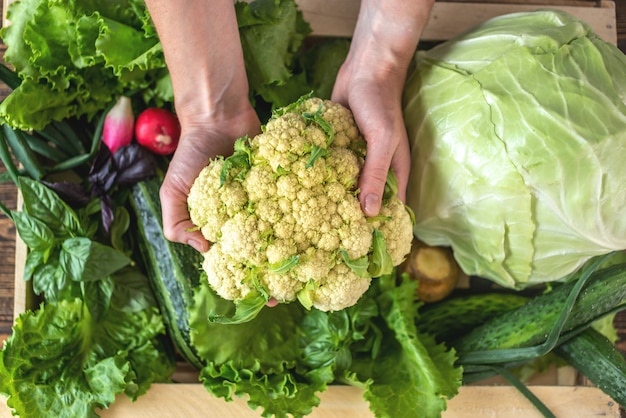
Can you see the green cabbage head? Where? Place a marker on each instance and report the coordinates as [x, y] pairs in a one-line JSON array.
[[518, 134]]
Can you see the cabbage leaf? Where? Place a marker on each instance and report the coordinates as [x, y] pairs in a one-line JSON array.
[[518, 134]]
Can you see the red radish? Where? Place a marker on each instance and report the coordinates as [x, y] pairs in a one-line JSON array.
[[119, 124], [158, 130]]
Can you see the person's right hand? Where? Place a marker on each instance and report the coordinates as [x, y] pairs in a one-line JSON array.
[[202, 137], [205, 60]]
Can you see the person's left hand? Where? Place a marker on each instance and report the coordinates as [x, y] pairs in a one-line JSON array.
[[374, 97], [370, 83]]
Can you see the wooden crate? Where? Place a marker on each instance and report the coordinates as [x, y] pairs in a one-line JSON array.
[[562, 390]]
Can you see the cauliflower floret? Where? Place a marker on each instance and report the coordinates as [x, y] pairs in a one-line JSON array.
[[287, 186], [260, 183], [315, 265], [280, 250], [312, 176], [398, 236], [209, 205], [282, 141], [356, 239], [285, 227], [336, 192], [339, 289], [344, 126], [344, 166], [242, 239], [225, 275], [282, 287], [287, 215]]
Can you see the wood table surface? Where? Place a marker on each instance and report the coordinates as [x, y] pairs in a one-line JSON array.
[[8, 196]]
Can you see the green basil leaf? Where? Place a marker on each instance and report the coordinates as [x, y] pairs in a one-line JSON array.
[[35, 233], [86, 260], [34, 258], [45, 205], [121, 222], [50, 280]]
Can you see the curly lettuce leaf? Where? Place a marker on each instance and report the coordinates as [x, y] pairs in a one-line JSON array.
[[374, 345], [271, 33], [413, 376], [69, 58], [71, 63], [59, 362], [286, 355], [258, 358]]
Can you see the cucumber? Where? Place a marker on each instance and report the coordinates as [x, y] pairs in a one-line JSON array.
[[456, 316], [174, 269], [597, 358], [530, 324]]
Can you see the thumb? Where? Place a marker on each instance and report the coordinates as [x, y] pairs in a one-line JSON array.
[[177, 226], [373, 179]]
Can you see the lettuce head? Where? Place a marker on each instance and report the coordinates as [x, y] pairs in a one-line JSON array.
[[518, 134]]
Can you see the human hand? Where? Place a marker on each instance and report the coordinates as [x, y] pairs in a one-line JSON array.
[[202, 138], [376, 105], [370, 83]]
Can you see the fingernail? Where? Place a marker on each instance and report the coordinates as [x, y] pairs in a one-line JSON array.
[[372, 204], [196, 245]]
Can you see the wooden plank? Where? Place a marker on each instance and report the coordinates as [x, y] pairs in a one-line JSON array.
[[193, 401], [448, 19]]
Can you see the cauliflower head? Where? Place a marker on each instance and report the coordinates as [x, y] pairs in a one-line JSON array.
[[284, 218]]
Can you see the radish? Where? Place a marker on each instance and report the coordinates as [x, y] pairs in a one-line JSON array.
[[158, 130], [119, 124]]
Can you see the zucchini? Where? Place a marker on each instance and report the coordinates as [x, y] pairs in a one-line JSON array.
[[597, 358], [531, 324], [450, 318], [173, 268]]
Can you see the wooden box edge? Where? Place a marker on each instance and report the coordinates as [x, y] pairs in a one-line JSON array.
[[448, 19]]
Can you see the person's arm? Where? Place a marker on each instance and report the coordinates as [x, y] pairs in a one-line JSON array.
[[370, 83], [203, 53]]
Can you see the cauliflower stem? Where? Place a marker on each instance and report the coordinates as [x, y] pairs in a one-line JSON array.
[[284, 219]]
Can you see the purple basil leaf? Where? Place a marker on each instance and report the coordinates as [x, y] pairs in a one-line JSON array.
[[106, 204], [102, 181], [133, 163], [72, 193], [101, 160], [101, 176]]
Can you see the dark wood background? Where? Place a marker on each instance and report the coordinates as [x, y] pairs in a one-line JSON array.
[[8, 196]]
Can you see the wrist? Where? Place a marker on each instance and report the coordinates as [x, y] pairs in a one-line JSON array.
[[387, 33]]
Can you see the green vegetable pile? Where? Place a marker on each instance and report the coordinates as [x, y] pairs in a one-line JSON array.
[[118, 304]]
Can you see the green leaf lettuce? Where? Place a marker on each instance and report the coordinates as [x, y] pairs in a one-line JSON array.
[[59, 362]]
